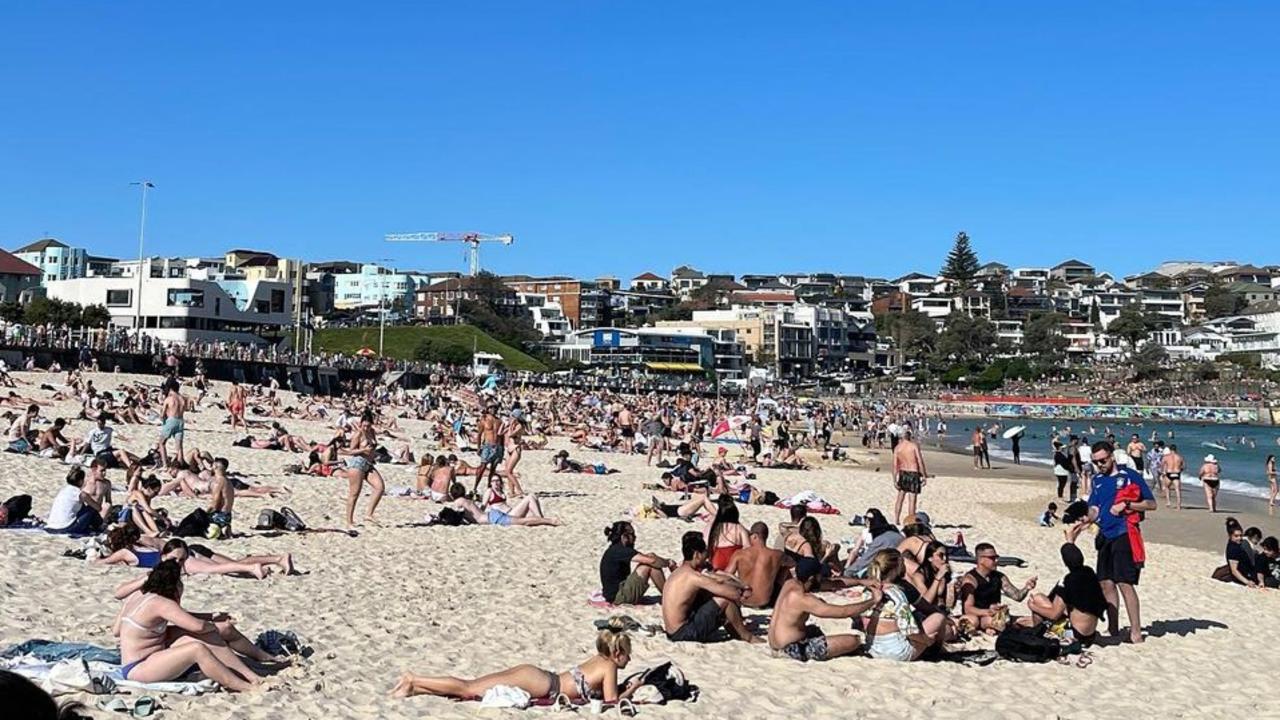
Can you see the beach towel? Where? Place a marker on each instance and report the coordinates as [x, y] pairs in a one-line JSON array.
[[506, 696], [95, 677], [1132, 493], [809, 499]]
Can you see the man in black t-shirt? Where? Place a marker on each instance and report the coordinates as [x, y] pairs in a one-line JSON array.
[[619, 583]]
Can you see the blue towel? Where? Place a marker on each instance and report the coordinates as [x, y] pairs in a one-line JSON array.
[[54, 651]]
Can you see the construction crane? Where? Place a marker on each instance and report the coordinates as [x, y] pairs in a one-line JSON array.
[[472, 241]]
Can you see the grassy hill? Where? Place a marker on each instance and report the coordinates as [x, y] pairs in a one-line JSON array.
[[400, 342]]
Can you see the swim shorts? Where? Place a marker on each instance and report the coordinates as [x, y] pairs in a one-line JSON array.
[[490, 454], [702, 626], [812, 647], [172, 427], [499, 518], [19, 446], [1115, 561], [909, 482]]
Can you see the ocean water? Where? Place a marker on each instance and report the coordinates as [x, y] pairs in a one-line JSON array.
[[1243, 463]]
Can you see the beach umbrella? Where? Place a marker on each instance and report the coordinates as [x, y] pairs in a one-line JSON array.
[[729, 424], [366, 352]]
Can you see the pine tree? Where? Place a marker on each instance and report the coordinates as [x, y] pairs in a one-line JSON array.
[[962, 263]]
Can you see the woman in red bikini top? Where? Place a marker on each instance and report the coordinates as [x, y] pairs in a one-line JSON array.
[[725, 536]]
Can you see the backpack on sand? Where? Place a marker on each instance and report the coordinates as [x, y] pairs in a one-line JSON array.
[[1021, 644], [195, 524]]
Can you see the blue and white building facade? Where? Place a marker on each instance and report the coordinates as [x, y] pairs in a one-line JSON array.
[[56, 259]]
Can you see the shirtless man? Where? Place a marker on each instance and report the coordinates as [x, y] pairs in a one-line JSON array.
[[491, 448], [51, 443], [173, 426], [762, 568], [1173, 466], [789, 630], [222, 495], [627, 429], [443, 476], [977, 439], [1137, 451], [695, 604], [18, 429], [909, 475]]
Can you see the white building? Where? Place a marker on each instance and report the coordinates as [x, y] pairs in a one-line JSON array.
[[375, 285], [187, 309], [548, 315], [56, 260]]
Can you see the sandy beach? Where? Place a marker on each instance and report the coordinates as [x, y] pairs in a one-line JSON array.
[[472, 600]]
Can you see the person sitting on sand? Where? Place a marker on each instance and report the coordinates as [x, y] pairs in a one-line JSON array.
[[1078, 599], [595, 678], [225, 625], [785, 529], [626, 573], [160, 641], [789, 630], [138, 510], [981, 588], [879, 536], [76, 510], [760, 568], [1240, 564], [50, 443], [724, 533], [807, 541], [894, 630], [696, 604], [927, 581]]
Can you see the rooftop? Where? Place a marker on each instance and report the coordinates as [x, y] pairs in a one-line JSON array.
[[11, 265], [41, 245]]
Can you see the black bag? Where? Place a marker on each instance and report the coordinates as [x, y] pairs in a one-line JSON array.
[[451, 517], [196, 524], [670, 682], [269, 519], [292, 522], [19, 507], [1021, 644], [771, 497]]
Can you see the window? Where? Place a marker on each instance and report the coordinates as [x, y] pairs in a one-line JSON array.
[[186, 298], [119, 298], [277, 301]]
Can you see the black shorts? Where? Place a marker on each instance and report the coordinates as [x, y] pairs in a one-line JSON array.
[[108, 459], [703, 626], [1115, 561], [909, 482], [628, 432]]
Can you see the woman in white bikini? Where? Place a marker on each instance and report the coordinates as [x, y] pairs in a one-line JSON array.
[[159, 641]]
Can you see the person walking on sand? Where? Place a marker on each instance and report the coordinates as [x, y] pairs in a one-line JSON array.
[[909, 475], [174, 425], [359, 468], [1117, 500], [1211, 477], [1172, 468], [1270, 467], [491, 447], [235, 406]]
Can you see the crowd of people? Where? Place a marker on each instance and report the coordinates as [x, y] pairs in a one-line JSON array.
[[897, 586]]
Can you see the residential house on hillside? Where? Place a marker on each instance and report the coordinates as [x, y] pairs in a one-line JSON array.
[[684, 280], [1071, 270], [649, 282], [19, 279], [56, 260], [1252, 292], [1244, 274]]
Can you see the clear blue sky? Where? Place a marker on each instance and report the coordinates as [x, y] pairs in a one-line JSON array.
[[621, 137]]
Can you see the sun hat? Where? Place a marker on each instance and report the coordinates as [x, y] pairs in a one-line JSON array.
[[1210, 458]]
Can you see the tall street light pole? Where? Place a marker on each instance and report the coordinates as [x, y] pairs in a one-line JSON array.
[[145, 185]]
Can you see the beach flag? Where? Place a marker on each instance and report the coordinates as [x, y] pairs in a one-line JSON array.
[[729, 424]]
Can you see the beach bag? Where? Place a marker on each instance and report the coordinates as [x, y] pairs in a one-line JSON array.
[[195, 524], [1021, 644], [451, 517], [269, 519], [292, 522], [669, 681], [19, 507], [1222, 573]]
